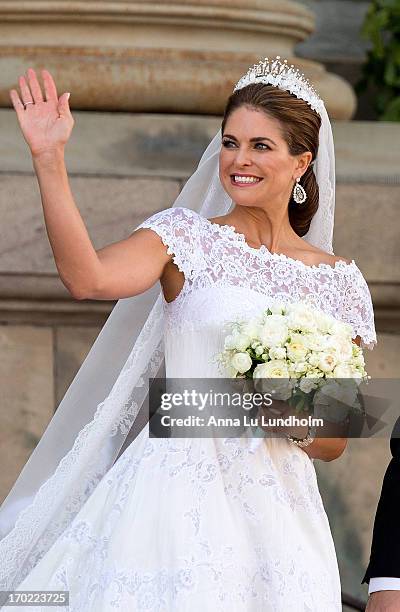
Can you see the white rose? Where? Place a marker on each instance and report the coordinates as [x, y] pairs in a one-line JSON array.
[[327, 361], [316, 342], [237, 341], [259, 350], [273, 369], [302, 317], [299, 367], [307, 384], [313, 360], [342, 346], [315, 373], [355, 375], [340, 328], [358, 376], [274, 331], [297, 338], [277, 352], [241, 362], [343, 370], [251, 328], [296, 351], [325, 322], [273, 377]]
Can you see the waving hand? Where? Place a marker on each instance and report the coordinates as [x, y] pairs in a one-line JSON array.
[[45, 120]]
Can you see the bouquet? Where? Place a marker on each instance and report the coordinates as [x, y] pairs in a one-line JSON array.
[[297, 353]]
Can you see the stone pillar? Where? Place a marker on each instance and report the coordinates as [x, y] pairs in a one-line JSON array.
[[142, 56]]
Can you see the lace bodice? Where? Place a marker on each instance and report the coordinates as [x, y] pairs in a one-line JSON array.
[[242, 279]]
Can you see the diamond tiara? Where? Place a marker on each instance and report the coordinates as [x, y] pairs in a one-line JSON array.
[[280, 75]]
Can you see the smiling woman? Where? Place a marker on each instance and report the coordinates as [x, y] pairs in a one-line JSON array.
[[270, 137], [90, 510]]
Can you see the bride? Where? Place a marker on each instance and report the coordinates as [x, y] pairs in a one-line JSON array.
[[179, 524]]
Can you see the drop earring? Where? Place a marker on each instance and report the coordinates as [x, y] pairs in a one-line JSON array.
[[299, 193]]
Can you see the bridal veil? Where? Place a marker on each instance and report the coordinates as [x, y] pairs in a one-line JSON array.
[[96, 417]]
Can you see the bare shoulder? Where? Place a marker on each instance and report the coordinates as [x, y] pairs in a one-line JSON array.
[[314, 256], [221, 220], [333, 259]]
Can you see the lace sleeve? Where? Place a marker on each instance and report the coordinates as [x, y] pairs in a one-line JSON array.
[[177, 227], [357, 309]]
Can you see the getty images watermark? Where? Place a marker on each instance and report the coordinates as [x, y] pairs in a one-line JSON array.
[[246, 401], [219, 408], [226, 407]]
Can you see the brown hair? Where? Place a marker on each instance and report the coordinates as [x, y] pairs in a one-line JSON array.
[[300, 129]]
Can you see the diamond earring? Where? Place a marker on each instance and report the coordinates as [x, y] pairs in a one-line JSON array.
[[299, 193]]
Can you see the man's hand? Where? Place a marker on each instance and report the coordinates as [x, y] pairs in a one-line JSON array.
[[383, 601]]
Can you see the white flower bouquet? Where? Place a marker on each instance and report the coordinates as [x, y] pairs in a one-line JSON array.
[[297, 353]]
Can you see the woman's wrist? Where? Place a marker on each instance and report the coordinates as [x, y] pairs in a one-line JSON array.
[[303, 441], [48, 156], [297, 431]]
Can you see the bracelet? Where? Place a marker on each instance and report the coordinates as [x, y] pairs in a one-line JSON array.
[[302, 442]]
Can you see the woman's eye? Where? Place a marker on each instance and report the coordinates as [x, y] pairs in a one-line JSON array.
[[261, 145]]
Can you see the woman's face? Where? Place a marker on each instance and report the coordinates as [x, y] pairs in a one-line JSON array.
[[253, 146]]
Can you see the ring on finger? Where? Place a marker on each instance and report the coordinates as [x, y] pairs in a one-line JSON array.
[[26, 104]]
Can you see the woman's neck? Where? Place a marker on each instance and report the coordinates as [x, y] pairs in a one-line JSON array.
[[261, 227]]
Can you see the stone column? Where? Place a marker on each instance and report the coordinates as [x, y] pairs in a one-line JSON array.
[[142, 56]]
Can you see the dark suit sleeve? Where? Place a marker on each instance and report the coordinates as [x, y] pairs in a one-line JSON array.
[[385, 549]]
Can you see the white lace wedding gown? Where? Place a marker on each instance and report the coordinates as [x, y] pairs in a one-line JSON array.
[[205, 524]]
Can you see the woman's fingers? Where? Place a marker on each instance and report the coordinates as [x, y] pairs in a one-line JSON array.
[[25, 91], [34, 86], [63, 106], [50, 88], [45, 124], [17, 104], [31, 90]]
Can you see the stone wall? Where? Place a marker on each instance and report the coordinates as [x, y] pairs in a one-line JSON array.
[[124, 167], [142, 56], [337, 43]]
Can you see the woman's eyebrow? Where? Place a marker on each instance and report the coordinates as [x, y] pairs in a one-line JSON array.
[[256, 139]]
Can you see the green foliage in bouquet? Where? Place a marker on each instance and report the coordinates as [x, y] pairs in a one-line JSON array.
[[382, 67]]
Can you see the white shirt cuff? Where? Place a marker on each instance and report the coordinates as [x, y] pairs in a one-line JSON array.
[[383, 584]]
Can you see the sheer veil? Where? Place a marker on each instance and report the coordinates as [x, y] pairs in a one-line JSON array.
[[99, 413]]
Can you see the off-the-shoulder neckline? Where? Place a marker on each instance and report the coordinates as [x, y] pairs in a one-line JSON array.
[[231, 231]]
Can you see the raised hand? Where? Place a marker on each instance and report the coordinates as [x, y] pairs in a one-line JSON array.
[[46, 121]]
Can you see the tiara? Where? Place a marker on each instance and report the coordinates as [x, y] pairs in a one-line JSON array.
[[280, 75]]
